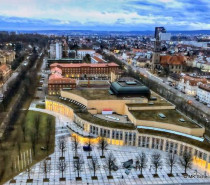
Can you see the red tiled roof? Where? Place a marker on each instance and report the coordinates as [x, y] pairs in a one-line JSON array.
[[175, 60], [194, 81], [61, 81], [205, 87], [4, 68], [56, 69], [55, 76], [99, 60], [63, 65]]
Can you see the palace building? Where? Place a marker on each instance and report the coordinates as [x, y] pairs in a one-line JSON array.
[[86, 70]]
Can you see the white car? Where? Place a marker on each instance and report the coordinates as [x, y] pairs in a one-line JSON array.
[[208, 105]]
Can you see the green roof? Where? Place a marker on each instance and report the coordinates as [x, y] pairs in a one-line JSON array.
[[171, 117]]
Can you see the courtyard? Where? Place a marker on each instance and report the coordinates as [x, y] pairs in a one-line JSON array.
[[121, 153]]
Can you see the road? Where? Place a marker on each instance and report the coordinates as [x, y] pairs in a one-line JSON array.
[[160, 81]]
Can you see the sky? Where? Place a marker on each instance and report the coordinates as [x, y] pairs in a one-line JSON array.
[[106, 15]]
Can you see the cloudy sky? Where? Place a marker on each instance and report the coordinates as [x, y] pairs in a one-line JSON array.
[[125, 15]]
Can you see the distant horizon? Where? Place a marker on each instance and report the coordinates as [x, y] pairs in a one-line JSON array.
[[118, 15], [99, 30]]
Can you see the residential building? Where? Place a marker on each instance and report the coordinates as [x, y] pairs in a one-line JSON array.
[[189, 84], [203, 93], [7, 56], [52, 51], [56, 50], [5, 73], [83, 52], [86, 70], [57, 82], [2, 59], [174, 64]]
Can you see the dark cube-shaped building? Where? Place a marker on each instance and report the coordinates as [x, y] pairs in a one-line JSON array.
[[129, 88]]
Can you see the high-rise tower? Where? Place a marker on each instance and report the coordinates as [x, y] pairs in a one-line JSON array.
[[157, 48]]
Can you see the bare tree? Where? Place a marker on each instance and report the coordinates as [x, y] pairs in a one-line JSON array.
[[62, 167], [156, 161], [78, 165], [19, 148], [62, 145], [12, 171], [186, 161], [28, 170], [110, 163], [171, 161], [75, 145], [102, 145], [23, 127], [48, 133], [90, 146], [36, 125], [46, 168], [33, 142], [3, 166], [94, 165], [141, 161]]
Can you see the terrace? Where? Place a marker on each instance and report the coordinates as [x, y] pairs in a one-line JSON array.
[[171, 117], [95, 94], [102, 122], [63, 101]]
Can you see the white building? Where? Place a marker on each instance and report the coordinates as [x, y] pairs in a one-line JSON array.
[[189, 84], [203, 93], [82, 52], [52, 51], [58, 50]]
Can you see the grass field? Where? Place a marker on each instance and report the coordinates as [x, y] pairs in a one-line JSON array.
[[9, 149]]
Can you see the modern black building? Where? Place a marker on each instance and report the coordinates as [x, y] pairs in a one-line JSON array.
[[129, 88]]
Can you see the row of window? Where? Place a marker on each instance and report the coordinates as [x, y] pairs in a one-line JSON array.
[[145, 141]]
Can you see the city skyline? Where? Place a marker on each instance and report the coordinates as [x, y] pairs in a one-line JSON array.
[[120, 15]]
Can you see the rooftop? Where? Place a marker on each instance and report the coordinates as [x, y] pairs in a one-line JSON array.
[[204, 145], [171, 117], [83, 65], [94, 94], [175, 60], [102, 122]]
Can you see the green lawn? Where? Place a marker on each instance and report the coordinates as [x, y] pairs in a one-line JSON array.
[[89, 117], [9, 148], [172, 117]]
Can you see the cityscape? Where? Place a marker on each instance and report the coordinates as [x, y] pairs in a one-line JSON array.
[[105, 92]]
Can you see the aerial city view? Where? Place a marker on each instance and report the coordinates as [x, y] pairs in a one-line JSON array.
[[112, 92]]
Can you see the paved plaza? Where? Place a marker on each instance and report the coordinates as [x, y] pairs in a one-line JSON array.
[[122, 154]]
